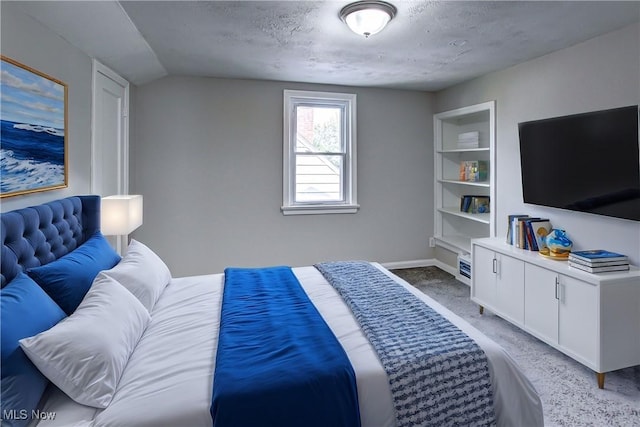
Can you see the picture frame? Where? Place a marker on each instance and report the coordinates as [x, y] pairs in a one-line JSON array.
[[33, 136]]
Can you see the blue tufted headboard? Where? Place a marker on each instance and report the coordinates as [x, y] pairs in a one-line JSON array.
[[40, 234]]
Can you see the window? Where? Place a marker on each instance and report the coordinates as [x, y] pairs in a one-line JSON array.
[[319, 153]]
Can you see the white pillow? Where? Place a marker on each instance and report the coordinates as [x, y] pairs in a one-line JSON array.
[[86, 353], [143, 273]]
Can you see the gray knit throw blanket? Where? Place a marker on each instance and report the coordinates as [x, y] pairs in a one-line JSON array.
[[437, 374]]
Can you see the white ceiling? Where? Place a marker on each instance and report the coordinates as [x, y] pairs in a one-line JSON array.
[[430, 45]]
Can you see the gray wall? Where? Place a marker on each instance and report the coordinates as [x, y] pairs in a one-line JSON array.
[[601, 73], [28, 42], [207, 156]]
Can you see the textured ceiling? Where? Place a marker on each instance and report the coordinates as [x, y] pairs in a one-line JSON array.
[[430, 45]]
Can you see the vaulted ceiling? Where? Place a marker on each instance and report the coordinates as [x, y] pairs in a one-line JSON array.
[[430, 45]]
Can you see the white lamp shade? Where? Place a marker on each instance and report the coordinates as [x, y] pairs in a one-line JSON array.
[[121, 214], [367, 22]]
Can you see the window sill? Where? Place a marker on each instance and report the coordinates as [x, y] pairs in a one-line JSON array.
[[319, 209]]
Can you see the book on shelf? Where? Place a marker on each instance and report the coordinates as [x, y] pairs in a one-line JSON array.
[[529, 240], [474, 204], [596, 264], [526, 232], [511, 227], [540, 227], [598, 255], [473, 170], [519, 232], [468, 140], [465, 203], [466, 145], [604, 269]]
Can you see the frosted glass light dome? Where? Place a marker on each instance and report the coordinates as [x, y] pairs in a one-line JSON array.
[[367, 17]]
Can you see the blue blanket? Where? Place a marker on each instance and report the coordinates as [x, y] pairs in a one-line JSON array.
[[437, 374], [278, 363]]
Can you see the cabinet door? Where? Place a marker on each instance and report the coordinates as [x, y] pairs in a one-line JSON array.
[[579, 318], [541, 303], [510, 288], [483, 287]]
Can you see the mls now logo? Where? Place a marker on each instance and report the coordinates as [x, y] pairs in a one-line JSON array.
[[23, 414]]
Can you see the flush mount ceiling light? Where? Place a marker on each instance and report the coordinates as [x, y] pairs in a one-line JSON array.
[[367, 17]]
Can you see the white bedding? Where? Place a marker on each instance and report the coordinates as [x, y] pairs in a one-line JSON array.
[[168, 380]]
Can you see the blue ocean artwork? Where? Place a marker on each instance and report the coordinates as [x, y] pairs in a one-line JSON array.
[[31, 156], [32, 130]]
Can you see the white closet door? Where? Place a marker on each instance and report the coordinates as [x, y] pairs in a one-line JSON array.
[[110, 136], [110, 130]]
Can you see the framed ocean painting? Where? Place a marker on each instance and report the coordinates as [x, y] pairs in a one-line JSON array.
[[33, 133]]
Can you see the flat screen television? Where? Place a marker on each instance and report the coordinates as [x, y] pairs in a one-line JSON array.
[[586, 162]]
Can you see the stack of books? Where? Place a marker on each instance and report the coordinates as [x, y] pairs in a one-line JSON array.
[[598, 261], [527, 232], [468, 140], [473, 170]]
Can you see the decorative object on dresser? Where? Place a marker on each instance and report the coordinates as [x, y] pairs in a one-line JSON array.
[[586, 316], [33, 130], [558, 245]]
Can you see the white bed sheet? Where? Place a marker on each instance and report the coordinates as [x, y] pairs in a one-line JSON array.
[[168, 380]]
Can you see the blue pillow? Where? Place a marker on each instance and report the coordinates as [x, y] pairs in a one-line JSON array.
[[68, 278], [25, 310]]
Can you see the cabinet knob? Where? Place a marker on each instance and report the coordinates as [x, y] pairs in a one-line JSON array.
[[495, 265]]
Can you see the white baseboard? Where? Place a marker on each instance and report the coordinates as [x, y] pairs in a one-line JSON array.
[[420, 263], [408, 264]]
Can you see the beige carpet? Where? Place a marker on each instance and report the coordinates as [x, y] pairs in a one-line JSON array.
[[569, 393]]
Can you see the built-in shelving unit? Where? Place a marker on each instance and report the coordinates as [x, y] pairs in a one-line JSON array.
[[455, 229]]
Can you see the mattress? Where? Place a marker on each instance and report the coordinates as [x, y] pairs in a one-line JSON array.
[[167, 381]]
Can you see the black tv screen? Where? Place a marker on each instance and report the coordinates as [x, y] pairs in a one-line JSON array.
[[586, 162]]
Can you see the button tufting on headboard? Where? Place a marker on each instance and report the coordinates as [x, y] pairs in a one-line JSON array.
[[40, 234]]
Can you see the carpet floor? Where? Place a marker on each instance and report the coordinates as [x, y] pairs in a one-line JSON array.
[[568, 390]]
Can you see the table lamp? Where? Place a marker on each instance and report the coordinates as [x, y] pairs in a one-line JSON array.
[[120, 215]]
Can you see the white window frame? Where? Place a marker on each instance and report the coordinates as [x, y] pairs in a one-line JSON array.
[[349, 204]]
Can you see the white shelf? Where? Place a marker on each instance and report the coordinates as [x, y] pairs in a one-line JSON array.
[[470, 183], [454, 229], [460, 244], [464, 150], [484, 218]]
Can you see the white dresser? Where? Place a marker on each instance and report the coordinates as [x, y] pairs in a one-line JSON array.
[[592, 318]]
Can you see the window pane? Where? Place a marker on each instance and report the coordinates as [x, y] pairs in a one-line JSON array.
[[318, 129], [318, 178]]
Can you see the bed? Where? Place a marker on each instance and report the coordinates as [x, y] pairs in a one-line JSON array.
[[169, 366]]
